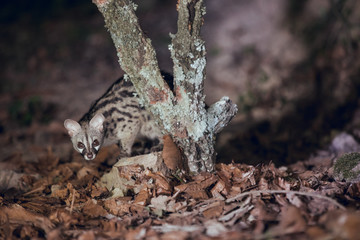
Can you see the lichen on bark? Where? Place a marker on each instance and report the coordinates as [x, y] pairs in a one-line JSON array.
[[181, 114]]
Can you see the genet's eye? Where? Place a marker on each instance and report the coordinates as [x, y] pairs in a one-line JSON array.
[[95, 143], [80, 145]]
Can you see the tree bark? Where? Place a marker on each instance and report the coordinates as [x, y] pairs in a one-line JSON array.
[[181, 114]]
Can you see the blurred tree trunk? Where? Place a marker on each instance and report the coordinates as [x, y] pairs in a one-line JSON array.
[[181, 113]]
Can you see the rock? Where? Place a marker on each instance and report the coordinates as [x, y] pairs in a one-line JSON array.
[[347, 167], [344, 143]]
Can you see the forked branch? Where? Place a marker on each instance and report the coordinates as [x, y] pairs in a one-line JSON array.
[[181, 114]]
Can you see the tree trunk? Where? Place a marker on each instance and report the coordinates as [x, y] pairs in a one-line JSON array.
[[181, 114]]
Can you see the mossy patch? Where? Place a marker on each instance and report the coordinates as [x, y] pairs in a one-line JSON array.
[[347, 166]]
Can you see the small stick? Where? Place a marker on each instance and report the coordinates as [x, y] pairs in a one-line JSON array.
[[72, 201], [258, 192]]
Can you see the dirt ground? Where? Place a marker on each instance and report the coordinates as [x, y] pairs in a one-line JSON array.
[[292, 68]]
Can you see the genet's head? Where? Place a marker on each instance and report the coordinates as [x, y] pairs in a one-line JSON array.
[[88, 138]]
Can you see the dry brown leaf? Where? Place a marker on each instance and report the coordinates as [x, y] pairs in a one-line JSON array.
[[171, 154], [117, 207], [87, 235], [236, 212], [342, 224], [198, 195], [316, 232], [198, 189], [113, 228], [74, 195], [85, 171], [214, 211], [131, 171], [291, 221], [57, 192], [214, 228], [97, 191], [224, 169], [143, 197], [175, 235], [16, 214], [225, 178], [137, 209], [11, 179], [27, 231], [219, 190], [54, 234], [137, 233], [40, 204], [63, 217], [354, 190], [193, 190], [93, 209], [258, 213], [159, 202], [202, 181], [161, 182]]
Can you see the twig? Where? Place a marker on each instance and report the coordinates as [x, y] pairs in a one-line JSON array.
[[72, 201], [258, 192]]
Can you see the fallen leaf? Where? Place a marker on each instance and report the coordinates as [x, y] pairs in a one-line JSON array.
[[11, 179], [342, 224], [16, 214], [175, 235], [316, 232], [87, 235], [161, 182], [97, 191], [143, 197], [93, 209], [117, 207], [86, 171], [354, 190], [218, 190], [214, 228], [134, 234], [291, 221], [171, 154], [58, 192], [160, 202], [198, 188], [236, 212], [214, 211], [64, 217]]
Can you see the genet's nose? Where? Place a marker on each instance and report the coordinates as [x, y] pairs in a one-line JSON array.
[[90, 155]]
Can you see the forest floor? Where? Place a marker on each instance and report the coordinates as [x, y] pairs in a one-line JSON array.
[[270, 182], [58, 195]]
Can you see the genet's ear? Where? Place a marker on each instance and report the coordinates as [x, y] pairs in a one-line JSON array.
[[72, 126], [97, 122]]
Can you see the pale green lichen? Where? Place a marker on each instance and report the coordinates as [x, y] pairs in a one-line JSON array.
[[203, 11], [198, 65], [347, 167], [134, 6], [215, 112], [199, 44]]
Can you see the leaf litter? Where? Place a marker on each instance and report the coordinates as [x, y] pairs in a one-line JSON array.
[[59, 198]]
